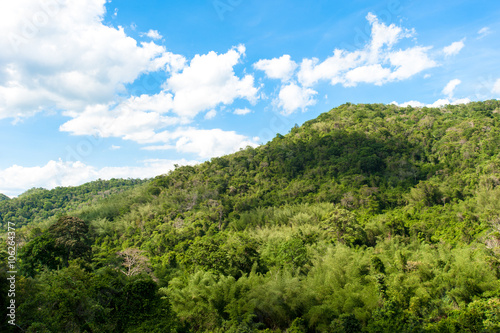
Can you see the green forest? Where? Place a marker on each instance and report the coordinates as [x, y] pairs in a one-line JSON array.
[[369, 218], [38, 204]]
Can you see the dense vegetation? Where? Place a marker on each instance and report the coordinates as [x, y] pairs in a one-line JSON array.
[[3, 197], [370, 218], [39, 204]]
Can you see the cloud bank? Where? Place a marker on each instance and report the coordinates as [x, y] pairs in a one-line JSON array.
[[376, 63]]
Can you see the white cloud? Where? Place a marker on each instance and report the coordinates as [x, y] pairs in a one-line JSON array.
[[210, 143], [332, 69], [114, 147], [436, 104], [383, 35], [483, 32], [59, 55], [208, 81], [448, 90], [242, 112], [137, 119], [439, 103], [170, 62], [410, 62], [154, 34], [454, 48], [210, 114], [204, 143], [375, 74], [277, 68], [460, 101], [142, 119], [293, 97], [496, 88], [450, 87], [17, 179], [377, 63]]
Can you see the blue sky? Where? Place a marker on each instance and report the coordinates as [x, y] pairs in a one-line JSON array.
[[99, 89]]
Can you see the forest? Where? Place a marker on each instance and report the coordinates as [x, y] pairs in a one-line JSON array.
[[369, 218], [39, 204]]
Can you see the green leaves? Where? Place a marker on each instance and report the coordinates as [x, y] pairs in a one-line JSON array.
[[234, 255], [41, 252], [65, 240], [38, 204], [369, 218]]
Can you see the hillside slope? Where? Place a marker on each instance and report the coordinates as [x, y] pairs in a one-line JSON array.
[[371, 158], [369, 218]]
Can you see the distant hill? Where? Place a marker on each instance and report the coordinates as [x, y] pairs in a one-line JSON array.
[[38, 204], [3, 197]]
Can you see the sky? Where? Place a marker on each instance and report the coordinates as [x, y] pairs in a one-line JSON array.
[[95, 89]]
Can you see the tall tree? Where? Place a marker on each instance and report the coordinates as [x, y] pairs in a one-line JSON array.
[[71, 236]]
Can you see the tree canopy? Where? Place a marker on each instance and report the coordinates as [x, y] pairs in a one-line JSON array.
[[369, 218]]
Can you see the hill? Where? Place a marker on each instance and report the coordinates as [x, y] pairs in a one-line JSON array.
[[39, 204], [369, 218], [3, 197]]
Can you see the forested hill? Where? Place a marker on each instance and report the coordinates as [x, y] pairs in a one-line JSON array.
[[38, 204], [369, 218], [369, 158]]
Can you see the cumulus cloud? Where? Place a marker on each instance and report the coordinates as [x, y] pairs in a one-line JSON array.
[[383, 35], [153, 34], [410, 62], [204, 83], [454, 48], [58, 55], [374, 74], [17, 179], [293, 97], [377, 63], [332, 69], [277, 68], [208, 81], [71, 61], [146, 127], [137, 119], [209, 143], [204, 143], [450, 87]]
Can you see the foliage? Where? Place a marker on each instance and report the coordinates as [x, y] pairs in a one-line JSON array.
[[369, 218], [38, 204]]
